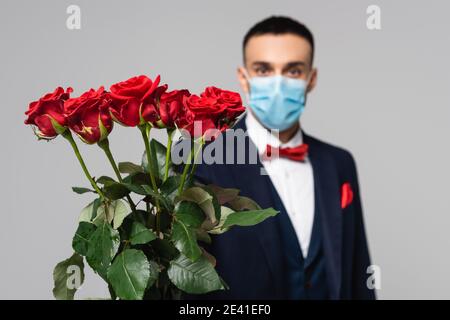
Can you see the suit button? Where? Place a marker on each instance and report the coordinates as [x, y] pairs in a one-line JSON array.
[[308, 285]]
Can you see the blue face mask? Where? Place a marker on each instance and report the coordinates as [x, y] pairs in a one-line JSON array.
[[277, 101]]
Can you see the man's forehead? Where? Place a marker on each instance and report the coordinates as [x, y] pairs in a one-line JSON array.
[[277, 49]]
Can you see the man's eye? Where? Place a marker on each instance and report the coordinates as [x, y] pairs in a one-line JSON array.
[[262, 71], [295, 73]]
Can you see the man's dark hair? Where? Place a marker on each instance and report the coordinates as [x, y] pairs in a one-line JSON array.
[[280, 25]]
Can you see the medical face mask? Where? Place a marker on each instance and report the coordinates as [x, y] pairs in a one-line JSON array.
[[277, 101]]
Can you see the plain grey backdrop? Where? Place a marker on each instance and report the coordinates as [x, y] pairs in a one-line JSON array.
[[382, 94]]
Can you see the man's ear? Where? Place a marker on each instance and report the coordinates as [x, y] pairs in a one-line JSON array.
[[313, 81], [241, 74]]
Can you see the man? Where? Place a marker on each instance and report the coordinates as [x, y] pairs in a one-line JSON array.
[[315, 248]]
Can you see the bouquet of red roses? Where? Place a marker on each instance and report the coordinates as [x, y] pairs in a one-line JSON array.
[[150, 248]]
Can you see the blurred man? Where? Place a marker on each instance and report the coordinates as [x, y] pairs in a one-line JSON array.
[[315, 248]]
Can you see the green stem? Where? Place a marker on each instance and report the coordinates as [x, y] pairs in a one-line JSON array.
[[168, 153], [104, 145], [185, 171], [145, 136], [201, 142], [68, 136]]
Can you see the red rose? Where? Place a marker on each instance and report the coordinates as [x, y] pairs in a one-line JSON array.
[[225, 96], [171, 108], [88, 115], [213, 109], [231, 101], [135, 100], [47, 114]]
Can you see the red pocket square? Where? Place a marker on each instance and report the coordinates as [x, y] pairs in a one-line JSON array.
[[346, 195]]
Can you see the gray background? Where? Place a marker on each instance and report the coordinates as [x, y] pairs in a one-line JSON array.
[[382, 94]]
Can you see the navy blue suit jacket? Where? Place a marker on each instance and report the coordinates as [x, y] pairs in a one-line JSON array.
[[250, 259]]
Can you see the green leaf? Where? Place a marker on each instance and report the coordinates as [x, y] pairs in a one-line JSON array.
[[136, 188], [111, 292], [243, 203], [115, 212], [215, 202], [185, 240], [158, 158], [129, 167], [160, 197], [194, 277], [165, 248], [115, 190], [140, 234], [103, 215], [146, 190], [170, 185], [224, 195], [138, 178], [189, 213], [81, 190], [68, 276], [105, 180], [80, 242], [121, 210], [154, 162], [248, 218], [103, 246], [90, 211], [150, 191], [219, 229], [160, 151], [204, 199], [144, 162], [129, 274]]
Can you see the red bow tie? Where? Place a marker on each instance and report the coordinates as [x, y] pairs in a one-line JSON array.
[[297, 153]]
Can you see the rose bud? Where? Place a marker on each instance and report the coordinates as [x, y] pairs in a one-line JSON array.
[[135, 100], [47, 114], [88, 115]]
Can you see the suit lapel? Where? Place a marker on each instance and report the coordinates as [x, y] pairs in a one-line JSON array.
[[327, 193]]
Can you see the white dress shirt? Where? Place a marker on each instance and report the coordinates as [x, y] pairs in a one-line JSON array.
[[293, 180]]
